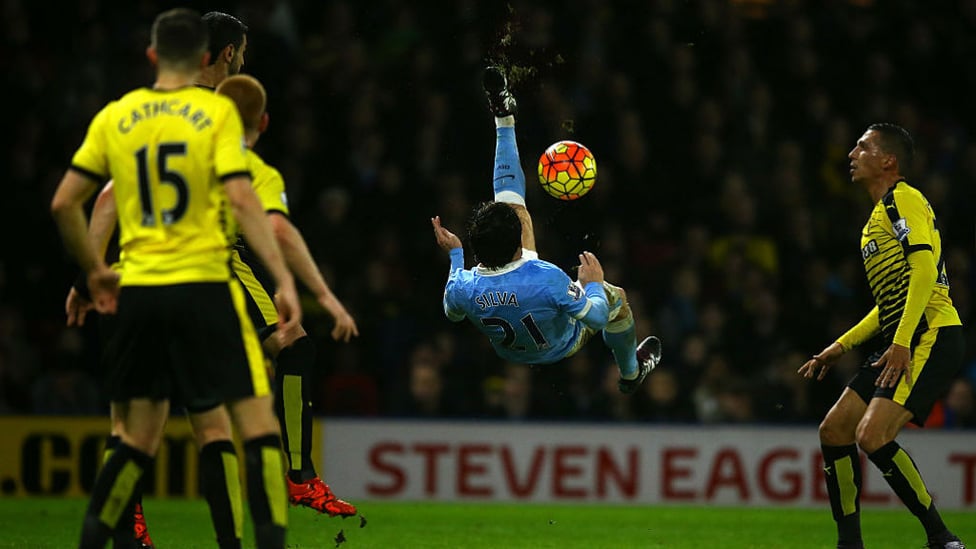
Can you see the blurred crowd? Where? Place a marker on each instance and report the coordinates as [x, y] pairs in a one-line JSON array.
[[723, 203]]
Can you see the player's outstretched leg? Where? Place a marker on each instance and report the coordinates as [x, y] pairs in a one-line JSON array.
[[646, 357], [509, 179], [633, 361], [294, 411]]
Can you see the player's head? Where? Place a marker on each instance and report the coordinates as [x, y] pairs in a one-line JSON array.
[[494, 234], [178, 40], [228, 40], [248, 94], [895, 140], [885, 150]]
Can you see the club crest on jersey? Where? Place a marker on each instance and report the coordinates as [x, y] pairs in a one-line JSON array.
[[496, 299], [901, 229], [575, 291]]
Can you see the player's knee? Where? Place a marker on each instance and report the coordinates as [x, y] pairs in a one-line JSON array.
[[211, 426], [871, 436], [142, 441], [254, 417], [208, 435], [834, 433]]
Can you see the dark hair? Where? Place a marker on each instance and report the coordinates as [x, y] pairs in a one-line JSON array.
[[225, 29], [179, 36], [897, 141], [494, 233]]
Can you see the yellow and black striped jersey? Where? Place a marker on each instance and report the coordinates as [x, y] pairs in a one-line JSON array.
[[268, 184], [901, 223], [168, 151], [270, 188]]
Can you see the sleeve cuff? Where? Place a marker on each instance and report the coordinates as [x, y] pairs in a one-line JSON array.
[[457, 258]]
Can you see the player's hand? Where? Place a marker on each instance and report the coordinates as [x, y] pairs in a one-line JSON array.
[[76, 307], [824, 360], [445, 238], [590, 269], [289, 310], [897, 359], [345, 325], [104, 286]]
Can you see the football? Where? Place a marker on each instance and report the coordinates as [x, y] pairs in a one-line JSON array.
[[567, 170]]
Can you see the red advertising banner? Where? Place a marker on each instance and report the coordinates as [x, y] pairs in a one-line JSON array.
[[755, 466]]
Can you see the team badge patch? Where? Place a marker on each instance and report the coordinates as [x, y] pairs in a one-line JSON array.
[[575, 291], [901, 229]]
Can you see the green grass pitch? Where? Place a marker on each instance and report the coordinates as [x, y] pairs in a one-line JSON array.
[[40, 523]]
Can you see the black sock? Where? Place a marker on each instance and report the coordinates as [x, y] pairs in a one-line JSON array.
[[111, 443], [842, 472], [113, 497], [902, 475], [266, 493], [294, 408], [220, 483], [124, 535]]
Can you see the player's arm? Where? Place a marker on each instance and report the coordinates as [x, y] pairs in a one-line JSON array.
[[597, 311], [450, 243], [590, 305], [101, 225], [897, 359], [915, 230], [104, 218], [921, 283], [454, 288], [67, 207], [528, 233], [260, 237], [868, 327], [299, 260]]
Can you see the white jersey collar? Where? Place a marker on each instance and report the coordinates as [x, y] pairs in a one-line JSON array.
[[508, 267]]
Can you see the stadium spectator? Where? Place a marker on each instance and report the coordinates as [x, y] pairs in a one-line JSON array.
[[959, 405]]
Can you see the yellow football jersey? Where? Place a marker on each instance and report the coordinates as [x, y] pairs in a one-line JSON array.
[[168, 152], [901, 223], [268, 184]]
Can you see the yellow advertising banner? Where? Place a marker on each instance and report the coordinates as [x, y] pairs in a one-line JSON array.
[[60, 456]]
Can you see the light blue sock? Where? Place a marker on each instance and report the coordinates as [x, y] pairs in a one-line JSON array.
[[509, 179], [624, 347]]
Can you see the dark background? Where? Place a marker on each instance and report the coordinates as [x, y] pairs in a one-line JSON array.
[[723, 203]]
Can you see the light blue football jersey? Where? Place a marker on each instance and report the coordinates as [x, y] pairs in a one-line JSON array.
[[530, 309]]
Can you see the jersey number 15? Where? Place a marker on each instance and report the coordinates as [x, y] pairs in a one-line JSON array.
[[166, 177]]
